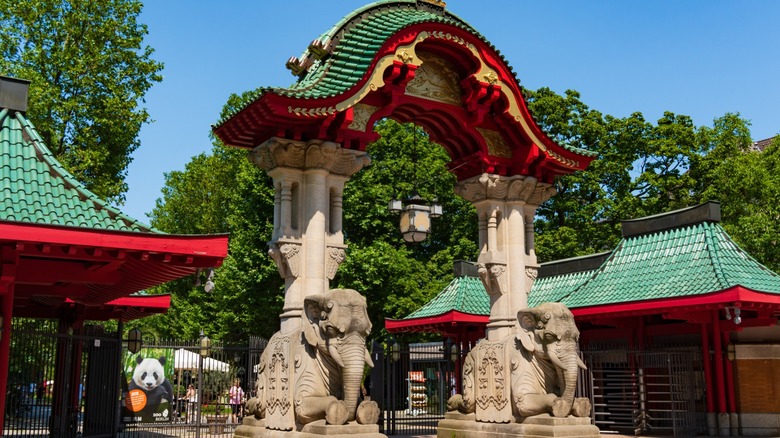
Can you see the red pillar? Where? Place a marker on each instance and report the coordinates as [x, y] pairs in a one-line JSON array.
[[732, 398], [719, 374], [705, 358], [5, 345], [10, 258]]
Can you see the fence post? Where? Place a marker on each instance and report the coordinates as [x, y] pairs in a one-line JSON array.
[[376, 387]]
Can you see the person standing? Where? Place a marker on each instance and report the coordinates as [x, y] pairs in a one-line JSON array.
[[192, 397], [236, 398]]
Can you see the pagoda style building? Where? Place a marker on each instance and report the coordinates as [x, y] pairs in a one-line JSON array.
[[678, 325], [69, 256]]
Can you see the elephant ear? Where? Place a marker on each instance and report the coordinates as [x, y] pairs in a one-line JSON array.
[[528, 321], [313, 306]]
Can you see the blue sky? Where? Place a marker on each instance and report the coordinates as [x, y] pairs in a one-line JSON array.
[[699, 58]]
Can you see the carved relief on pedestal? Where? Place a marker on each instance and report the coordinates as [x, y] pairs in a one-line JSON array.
[[491, 378], [494, 278], [505, 188], [532, 272], [279, 152], [278, 399], [336, 255], [435, 79], [286, 255]]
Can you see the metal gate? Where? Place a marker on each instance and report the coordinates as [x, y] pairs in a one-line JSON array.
[[33, 407], [636, 393], [416, 381]]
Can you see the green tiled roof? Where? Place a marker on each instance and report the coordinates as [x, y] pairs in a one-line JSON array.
[[36, 188], [552, 289], [464, 294], [356, 39], [690, 260]]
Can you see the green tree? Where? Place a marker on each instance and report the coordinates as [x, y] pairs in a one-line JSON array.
[[89, 70], [641, 169], [745, 181]]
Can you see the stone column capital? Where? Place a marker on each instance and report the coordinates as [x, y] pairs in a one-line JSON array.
[[287, 256], [517, 188], [314, 154]]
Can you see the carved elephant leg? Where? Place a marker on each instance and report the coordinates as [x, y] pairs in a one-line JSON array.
[[311, 408], [534, 404]]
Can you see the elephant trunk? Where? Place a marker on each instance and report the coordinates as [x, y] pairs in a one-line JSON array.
[[569, 367], [353, 357]]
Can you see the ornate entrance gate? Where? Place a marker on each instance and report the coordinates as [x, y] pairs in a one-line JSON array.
[[658, 393]]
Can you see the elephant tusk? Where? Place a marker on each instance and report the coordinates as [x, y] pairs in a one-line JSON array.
[[334, 353], [581, 364], [556, 360], [369, 362]]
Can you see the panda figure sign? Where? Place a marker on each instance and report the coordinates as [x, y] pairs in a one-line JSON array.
[[149, 394]]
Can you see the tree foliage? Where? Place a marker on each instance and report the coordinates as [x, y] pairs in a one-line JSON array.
[[89, 70]]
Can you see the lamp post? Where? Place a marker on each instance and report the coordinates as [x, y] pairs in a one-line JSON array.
[[205, 346], [134, 340], [416, 217]]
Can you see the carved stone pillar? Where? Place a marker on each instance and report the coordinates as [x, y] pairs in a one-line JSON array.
[[307, 242], [507, 262]]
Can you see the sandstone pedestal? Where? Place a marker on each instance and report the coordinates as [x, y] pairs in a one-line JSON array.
[[456, 425], [255, 428]]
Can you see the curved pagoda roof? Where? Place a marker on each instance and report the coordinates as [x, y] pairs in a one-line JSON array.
[[63, 247], [464, 301], [681, 264], [372, 64]]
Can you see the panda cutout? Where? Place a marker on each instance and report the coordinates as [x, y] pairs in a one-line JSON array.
[[149, 377]]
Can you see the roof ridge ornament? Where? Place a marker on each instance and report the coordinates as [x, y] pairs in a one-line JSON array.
[[438, 3]]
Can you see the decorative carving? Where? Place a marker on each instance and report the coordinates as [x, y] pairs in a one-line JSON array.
[[435, 79], [315, 154], [286, 256], [336, 256], [490, 77], [503, 188], [532, 273], [404, 57], [491, 395], [278, 385], [361, 113], [494, 278], [312, 112], [495, 143]]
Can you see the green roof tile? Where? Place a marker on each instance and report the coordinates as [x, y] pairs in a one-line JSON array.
[[651, 266], [464, 294], [36, 188]]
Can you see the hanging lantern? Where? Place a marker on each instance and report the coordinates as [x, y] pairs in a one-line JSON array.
[[416, 217]]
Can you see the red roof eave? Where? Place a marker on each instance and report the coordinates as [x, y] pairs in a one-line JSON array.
[[737, 294], [449, 319], [213, 245]]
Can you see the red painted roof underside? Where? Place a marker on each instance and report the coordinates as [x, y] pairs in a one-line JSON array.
[[58, 268], [450, 322]]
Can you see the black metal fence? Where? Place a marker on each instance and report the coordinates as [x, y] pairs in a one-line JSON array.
[[416, 381], [646, 393], [93, 369]]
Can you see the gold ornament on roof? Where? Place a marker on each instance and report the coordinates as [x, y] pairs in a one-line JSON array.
[[405, 57], [438, 3], [490, 78]]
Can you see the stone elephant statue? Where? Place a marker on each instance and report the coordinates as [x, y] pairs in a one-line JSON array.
[[531, 373], [315, 372]]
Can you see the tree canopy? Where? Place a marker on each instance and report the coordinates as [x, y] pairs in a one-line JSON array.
[[90, 71]]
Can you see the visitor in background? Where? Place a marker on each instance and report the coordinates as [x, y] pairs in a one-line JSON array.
[[236, 398], [192, 397]]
